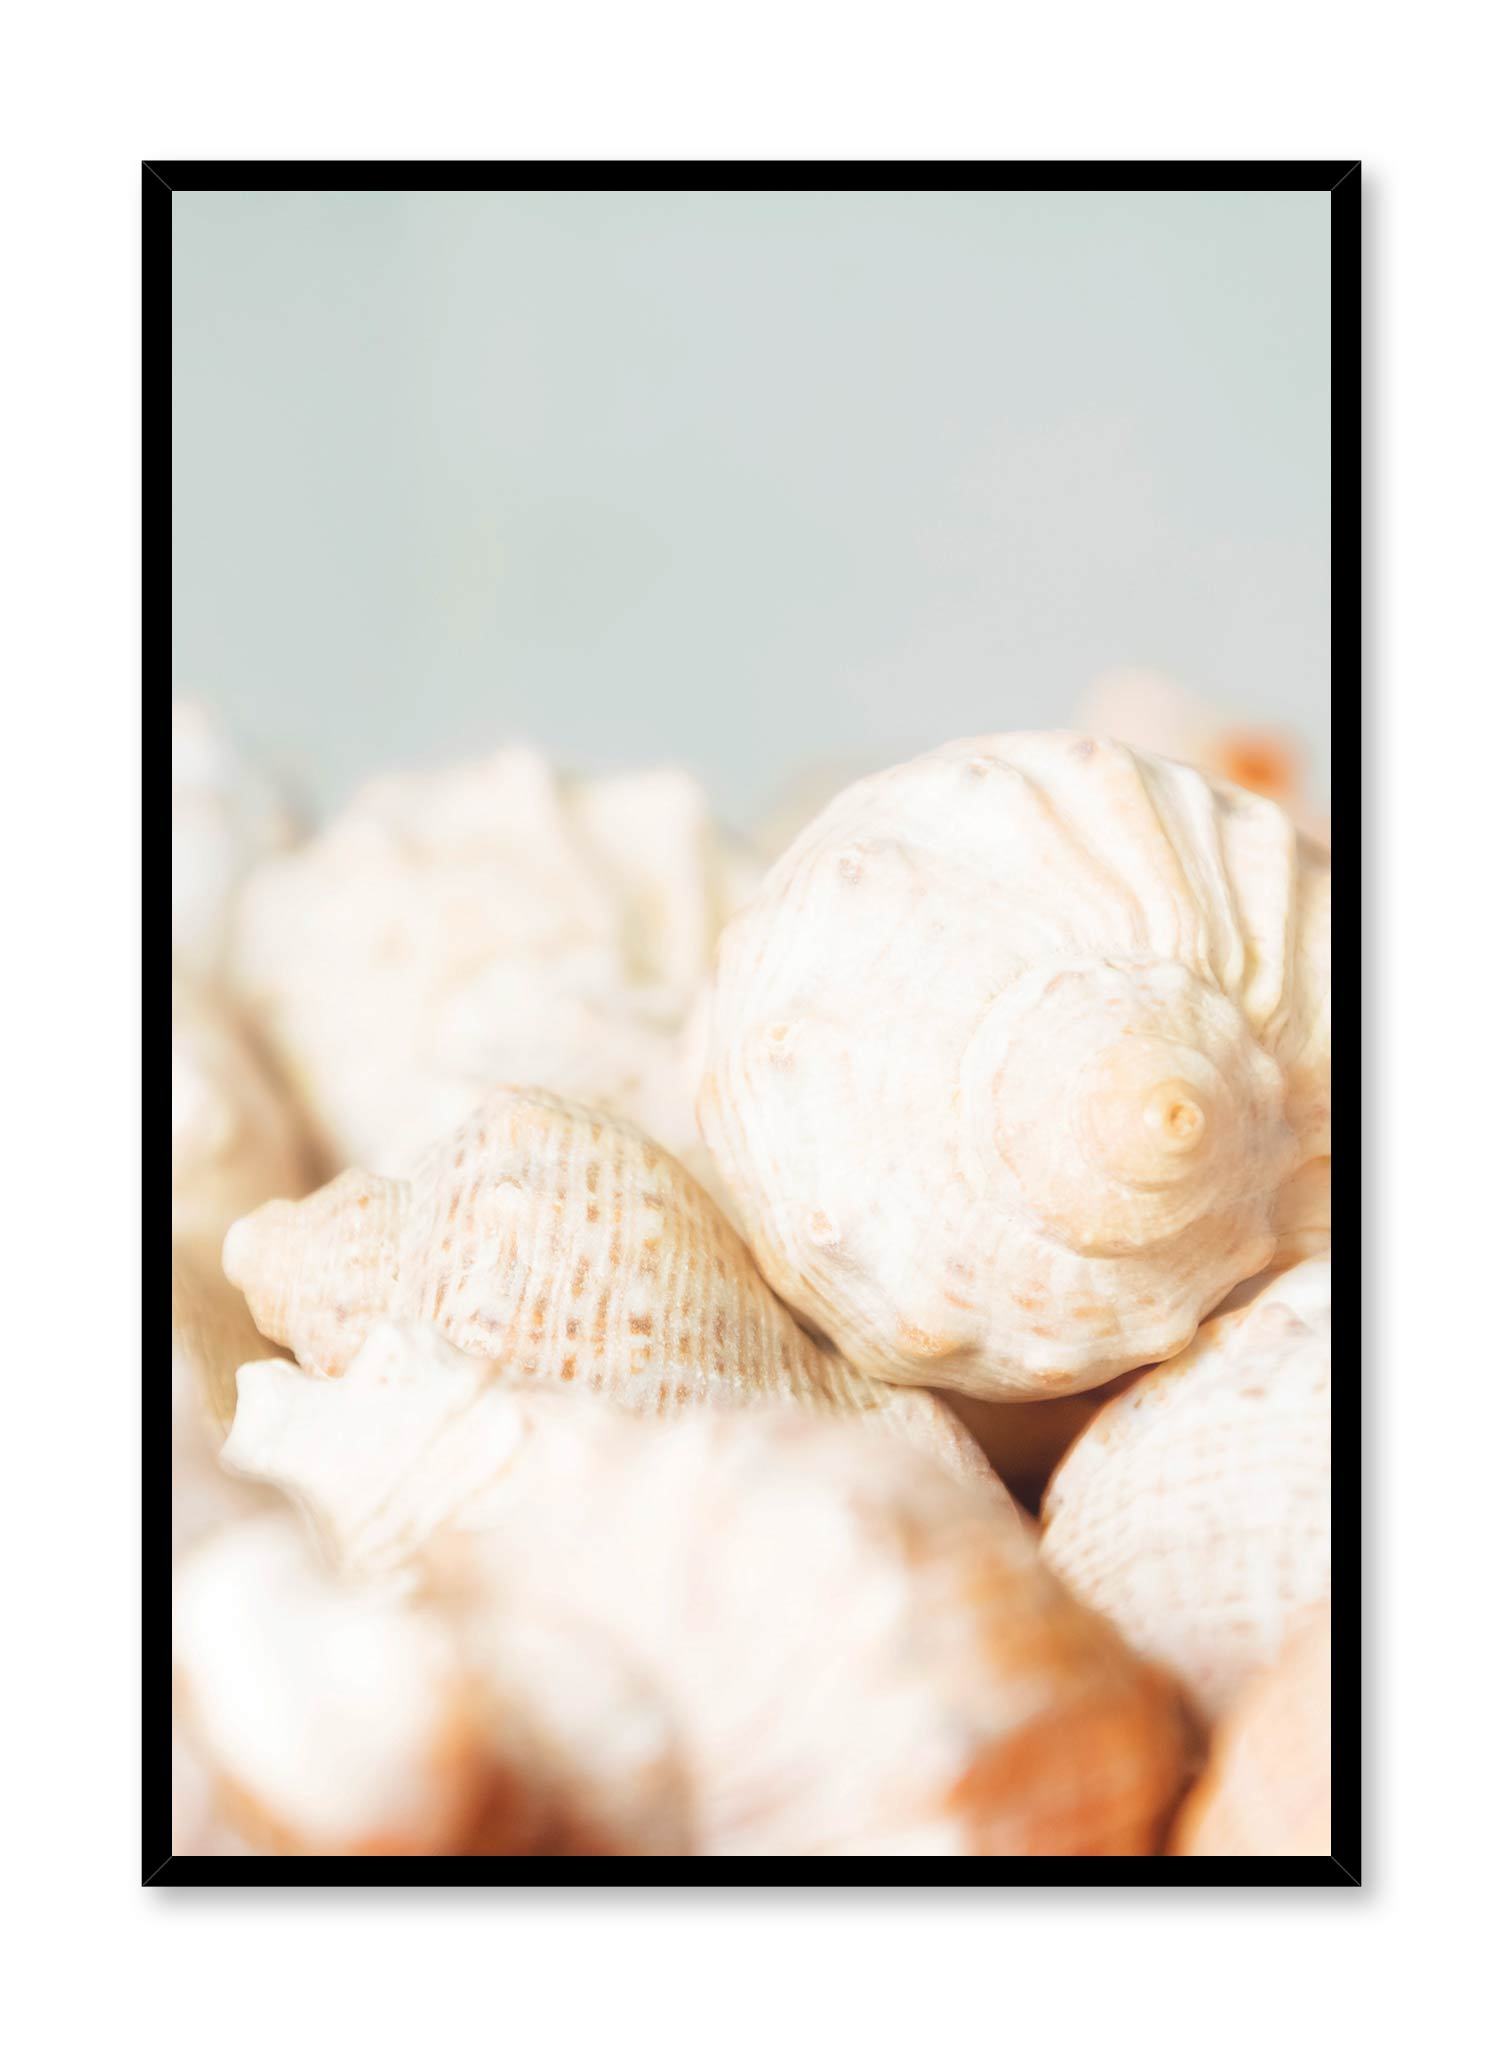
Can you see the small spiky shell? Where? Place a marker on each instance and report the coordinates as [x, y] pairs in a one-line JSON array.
[[1267, 1788], [1010, 1057], [488, 923], [1158, 716], [1195, 1511], [225, 818], [858, 1652], [236, 1139], [556, 1244]]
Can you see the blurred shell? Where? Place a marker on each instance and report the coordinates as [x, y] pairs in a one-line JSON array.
[[1157, 716], [236, 1140], [857, 1651], [490, 923], [337, 1719], [212, 1337], [1195, 1511], [1267, 1790], [1010, 1057], [225, 818], [554, 1244]]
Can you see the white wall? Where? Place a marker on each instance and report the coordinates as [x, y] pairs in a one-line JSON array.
[[746, 480]]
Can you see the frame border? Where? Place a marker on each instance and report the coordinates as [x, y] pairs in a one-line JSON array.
[[1341, 179]]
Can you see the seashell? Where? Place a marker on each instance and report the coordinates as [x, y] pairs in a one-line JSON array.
[[212, 1337], [198, 1827], [1011, 1056], [554, 1244], [1157, 716], [858, 1651], [225, 818], [1195, 1511], [335, 1719], [1267, 1788], [236, 1140], [483, 924]]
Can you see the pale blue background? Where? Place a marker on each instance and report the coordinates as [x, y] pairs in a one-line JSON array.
[[749, 481]]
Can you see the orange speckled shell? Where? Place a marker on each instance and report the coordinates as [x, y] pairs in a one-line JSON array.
[[563, 1246]]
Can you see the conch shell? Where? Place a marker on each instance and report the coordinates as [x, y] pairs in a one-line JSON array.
[[856, 1651], [1195, 1511], [1267, 1790], [225, 818], [1010, 1057], [556, 1245], [1158, 716], [236, 1140], [483, 924]]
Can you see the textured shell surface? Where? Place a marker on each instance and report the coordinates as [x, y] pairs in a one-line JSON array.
[[225, 818], [1267, 1788], [1010, 1057], [236, 1139], [1159, 716], [855, 1650], [555, 1244], [1195, 1511], [494, 922]]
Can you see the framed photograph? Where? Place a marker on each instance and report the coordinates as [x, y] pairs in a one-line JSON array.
[[752, 798]]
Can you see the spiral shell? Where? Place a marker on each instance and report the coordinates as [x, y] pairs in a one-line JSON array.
[[225, 818], [856, 1651], [1267, 1788], [1010, 1057], [1195, 1511], [554, 1244], [492, 923]]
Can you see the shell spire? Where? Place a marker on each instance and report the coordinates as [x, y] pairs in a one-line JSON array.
[[556, 1245], [1103, 1049]]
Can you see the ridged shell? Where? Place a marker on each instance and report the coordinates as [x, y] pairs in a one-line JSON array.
[[1195, 1511], [1267, 1789], [489, 923], [1010, 1057], [225, 818], [857, 1651], [557, 1245], [1158, 716], [236, 1140]]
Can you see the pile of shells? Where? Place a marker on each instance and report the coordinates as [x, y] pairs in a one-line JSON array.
[[672, 1357]]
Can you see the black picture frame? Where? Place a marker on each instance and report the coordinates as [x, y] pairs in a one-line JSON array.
[[1342, 180]]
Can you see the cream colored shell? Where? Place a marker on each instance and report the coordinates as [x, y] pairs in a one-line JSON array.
[[225, 818], [489, 923], [556, 1245], [1011, 1056], [336, 1719], [1267, 1788], [1195, 1511], [856, 1651]]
